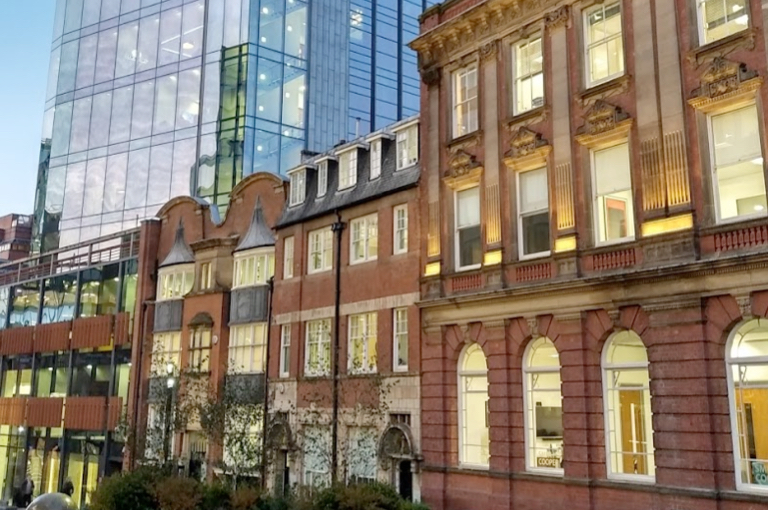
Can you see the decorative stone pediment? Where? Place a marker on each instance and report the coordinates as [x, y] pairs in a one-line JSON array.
[[463, 168], [725, 83], [527, 150], [742, 40], [604, 124]]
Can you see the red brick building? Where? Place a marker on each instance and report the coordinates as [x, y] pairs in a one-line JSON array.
[[594, 293], [204, 294], [346, 282], [15, 237]]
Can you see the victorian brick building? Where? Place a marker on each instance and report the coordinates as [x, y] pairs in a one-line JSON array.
[[594, 292], [345, 354]]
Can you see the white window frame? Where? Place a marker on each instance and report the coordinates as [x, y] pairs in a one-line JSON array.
[[732, 362], [206, 275], [461, 374], [527, 78], [473, 123], [368, 330], [407, 144], [298, 187], [589, 45], [399, 213], [257, 333], [456, 229], [528, 371], [285, 350], [348, 169], [370, 240], [175, 282], [288, 247], [700, 12], [521, 215], [166, 350], [399, 333], [631, 232], [318, 331], [321, 238], [322, 178], [714, 173], [375, 156], [605, 367], [253, 267]]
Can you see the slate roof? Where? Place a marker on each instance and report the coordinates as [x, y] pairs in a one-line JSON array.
[[180, 253], [258, 234], [390, 181]]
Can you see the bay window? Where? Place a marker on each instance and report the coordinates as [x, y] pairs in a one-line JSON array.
[[533, 217], [253, 267], [175, 282], [247, 343], [468, 242], [739, 179], [612, 190]]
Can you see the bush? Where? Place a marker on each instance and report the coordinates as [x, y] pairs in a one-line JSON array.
[[245, 498], [128, 491], [179, 493], [215, 497]]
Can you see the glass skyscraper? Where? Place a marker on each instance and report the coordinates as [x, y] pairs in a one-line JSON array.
[[151, 99]]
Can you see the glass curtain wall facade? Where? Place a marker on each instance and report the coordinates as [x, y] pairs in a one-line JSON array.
[[152, 99]]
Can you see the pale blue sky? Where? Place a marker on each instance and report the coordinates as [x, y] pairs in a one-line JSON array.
[[25, 40]]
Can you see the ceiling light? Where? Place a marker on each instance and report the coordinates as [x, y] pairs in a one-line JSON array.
[[289, 28], [188, 46], [262, 76], [265, 10], [259, 148], [263, 39], [261, 108], [287, 94]]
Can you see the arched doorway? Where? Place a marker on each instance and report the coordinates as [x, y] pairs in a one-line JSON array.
[[396, 454], [279, 445]]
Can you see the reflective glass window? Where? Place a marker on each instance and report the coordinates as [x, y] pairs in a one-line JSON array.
[[120, 122], [73, 15], [721, 18], [129, 285], [232, 12], [189, 98], [146, 56], [184, 158], [81, 120], [101, 112], [604, 43], [127, 39], [99, 291], [268, 90], [296, 29], [73, 191], [293, 97], [62, 124], [143, 101], [160, 165], [93, 196], [86, 61], [165, 104], [114, 191], [170, 36], [192, 30], [53, 73], [91, 373], [109, 9], [105, 56], [4, 304], [91, 11], [59, 298], [271, 24], [136, 183], [67, 67], [26, 301]]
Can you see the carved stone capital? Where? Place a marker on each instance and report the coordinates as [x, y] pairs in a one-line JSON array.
[[430, 76], [488, 51], [558, 18]]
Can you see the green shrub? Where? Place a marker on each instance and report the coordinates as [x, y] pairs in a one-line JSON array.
[[215, 497], [179, 493], [134, 490]]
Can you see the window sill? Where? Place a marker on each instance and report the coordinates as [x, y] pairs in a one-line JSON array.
[[464, 269], [474, 467], [396, 253], [362, 261], [535, 256], [641, 479], [548, 472], [614, 242], [459, 140], [710, 51], [532, 114], [319, 271], [406, 167], [609, 86]]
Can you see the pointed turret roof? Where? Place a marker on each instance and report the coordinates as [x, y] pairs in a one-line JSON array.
[[259, 234], [180, 253]]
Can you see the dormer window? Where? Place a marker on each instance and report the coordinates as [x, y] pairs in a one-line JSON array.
[[254, 267], [348, 169], [375, 159], [298, 186], [322, 178], [175, 282], [408, 147]]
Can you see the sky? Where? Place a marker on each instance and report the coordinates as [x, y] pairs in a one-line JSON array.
[[25, 37]]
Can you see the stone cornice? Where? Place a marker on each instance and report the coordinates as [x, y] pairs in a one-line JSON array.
[[475, 27]]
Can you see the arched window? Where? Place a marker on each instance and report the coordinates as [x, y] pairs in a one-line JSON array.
[[627, 407], [543, 407], [747, 367], [473, 408]]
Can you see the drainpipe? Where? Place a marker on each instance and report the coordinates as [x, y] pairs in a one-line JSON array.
[[337, 228], [265, 419]]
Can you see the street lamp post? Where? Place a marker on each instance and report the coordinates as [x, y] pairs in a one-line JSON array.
[[170, 383]]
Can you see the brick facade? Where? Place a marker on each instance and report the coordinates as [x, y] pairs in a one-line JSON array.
[[684, 282]]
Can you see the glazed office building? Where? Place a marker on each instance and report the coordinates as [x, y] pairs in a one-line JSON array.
[[65, 326], [151, 99]]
